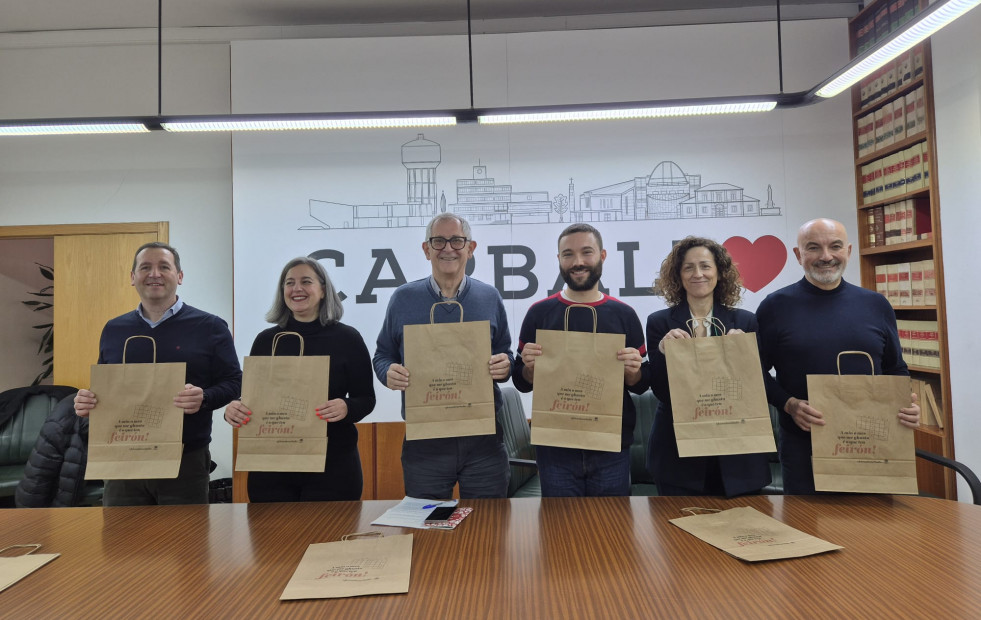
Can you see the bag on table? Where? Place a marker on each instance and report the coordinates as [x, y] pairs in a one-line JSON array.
[[750, 535], [353, 567], [15, 568]]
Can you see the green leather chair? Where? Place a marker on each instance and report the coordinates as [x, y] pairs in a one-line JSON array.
[[24, 411], [641, 480], [517, 440], [776, 473]]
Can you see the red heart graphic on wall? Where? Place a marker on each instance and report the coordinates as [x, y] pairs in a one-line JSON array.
[[759, 262]]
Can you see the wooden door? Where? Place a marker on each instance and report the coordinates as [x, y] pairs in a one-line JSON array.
[[92, 263], [92, 285]]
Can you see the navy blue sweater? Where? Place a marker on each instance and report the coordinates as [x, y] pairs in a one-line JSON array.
[[612, 317], [192, 336], [803, 328]]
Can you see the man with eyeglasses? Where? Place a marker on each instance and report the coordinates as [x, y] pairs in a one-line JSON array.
[[430, 467]]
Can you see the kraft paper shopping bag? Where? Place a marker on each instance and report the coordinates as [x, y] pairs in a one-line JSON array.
[[862, 447], [717, 396], [578, 397], [283, 393], [135, 431], [450, 393]]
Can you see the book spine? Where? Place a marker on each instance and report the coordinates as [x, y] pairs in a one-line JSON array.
[[879, 129], [898, 119], [909, 113], [892, 284], [909, 219], [929, 283], [881, 284], [880, 225], [916, 283], [905, 291]]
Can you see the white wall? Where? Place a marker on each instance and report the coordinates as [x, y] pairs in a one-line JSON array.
[[957, 97], [183, 179]]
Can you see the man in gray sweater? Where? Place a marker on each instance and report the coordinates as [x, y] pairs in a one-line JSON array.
[[432, 466]]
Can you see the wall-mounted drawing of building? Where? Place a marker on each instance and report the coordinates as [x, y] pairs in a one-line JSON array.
[[479, 198], [667, 193], [482, 201], [420, 157]]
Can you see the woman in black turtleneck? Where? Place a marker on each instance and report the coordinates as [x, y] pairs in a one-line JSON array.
[[307, 303]]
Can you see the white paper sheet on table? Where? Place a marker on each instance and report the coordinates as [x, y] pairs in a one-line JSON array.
[[411, 512]]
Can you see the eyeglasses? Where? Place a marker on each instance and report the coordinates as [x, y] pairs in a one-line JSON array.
[[457, 243]]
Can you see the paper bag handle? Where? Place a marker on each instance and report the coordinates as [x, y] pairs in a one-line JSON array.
[[33, 547], [695, 510], [356, 535], [871, 363], [280, 335], [570, 307], [432, 318], [715, 322], [148, 338]]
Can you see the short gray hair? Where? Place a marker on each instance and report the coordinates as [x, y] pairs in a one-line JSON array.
[[448, 216], [331, 309]]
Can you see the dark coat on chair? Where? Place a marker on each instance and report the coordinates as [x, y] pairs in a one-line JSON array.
[[741, 473], [55, 473]]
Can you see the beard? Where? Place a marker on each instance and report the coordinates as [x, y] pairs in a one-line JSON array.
[[819, 274], [595, 273]]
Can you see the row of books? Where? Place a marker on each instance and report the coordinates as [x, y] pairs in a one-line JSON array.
[[892, 76], [930, 411], [886, 17], [897, 120], [920, 343], [908, 284], [900, 222], [896, 174]]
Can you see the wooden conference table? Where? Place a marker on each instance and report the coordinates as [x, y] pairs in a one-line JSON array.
[[522, 558]]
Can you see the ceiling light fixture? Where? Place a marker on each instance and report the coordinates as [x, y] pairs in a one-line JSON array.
[[281, 122], [625, 111], [923, 25], [63, 127]]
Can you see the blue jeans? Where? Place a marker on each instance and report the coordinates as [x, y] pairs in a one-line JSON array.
[[571, 472], [430, 467]]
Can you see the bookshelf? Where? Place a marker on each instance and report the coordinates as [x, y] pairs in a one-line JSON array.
[[898, 211]]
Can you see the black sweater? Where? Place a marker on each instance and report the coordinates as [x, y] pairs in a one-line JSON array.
[[351, 374]]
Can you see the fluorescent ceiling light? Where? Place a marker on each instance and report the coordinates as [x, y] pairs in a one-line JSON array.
[[273, 124], [52, 129], [924, 25], [545, 116]]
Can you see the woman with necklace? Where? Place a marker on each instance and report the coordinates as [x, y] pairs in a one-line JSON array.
[[306, 302], [701, 286]]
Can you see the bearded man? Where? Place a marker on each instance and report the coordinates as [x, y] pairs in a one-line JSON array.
[[571, 472], [804, 326]]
